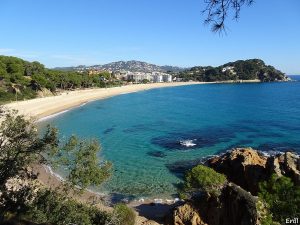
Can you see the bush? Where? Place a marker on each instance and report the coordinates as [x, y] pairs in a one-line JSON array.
[[205, 179], [282, 197], [124, 215], [54, 208]]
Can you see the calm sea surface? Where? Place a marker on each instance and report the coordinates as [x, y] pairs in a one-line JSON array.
[[152, 136]]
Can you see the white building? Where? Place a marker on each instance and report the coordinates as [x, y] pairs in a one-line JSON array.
[[138, 77], [230, 68], [167, 78], [157, 78]]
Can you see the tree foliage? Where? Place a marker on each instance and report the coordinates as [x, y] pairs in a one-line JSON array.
[[20, 79], [282, 197], [82, 160], [123, 215], [203, 178], [54, 208], [239, 70], [217, 12], [20, 147]]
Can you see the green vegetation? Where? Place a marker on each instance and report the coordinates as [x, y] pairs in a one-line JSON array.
[[80, 157], [282, 198], [239, 70], [145, 81], [23, 198], [125, 215], [54, 208], [20, 145], [20, 79], [203, 178]]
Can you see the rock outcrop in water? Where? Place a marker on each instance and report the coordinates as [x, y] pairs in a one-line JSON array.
[[237, 203]]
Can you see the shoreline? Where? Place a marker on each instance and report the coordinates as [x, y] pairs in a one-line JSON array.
[[41, 108], [148, 211], [47, 107]]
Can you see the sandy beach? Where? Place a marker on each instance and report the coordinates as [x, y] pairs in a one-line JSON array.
[[42, 107]]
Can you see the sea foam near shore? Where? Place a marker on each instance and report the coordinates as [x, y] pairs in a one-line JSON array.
[[52, 116]]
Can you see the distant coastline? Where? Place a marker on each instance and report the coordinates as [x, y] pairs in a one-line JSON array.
[[40, 108]]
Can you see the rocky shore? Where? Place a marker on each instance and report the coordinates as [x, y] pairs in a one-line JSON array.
[[237, 203]]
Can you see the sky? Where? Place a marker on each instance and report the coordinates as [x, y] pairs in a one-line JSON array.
[[164, 32]]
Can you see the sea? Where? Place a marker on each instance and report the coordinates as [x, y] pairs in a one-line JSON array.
[[152, 137]]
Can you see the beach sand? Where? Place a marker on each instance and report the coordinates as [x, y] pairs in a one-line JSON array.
[[42, 107]]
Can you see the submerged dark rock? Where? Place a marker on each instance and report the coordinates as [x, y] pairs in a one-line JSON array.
[[180, 167], [109, 130], [138, 128], [194, 139], [278, 147], [158, 154]]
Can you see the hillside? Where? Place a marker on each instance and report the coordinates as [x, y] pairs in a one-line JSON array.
[[20, 79], [239, 70], [132, 66]]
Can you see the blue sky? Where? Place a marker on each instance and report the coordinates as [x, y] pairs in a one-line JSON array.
[[73, 32]]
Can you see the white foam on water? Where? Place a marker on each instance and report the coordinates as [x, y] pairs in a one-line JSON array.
[[49, 170], [59, 177], [51, 116], [188, 143], [59, 113], [158, 201]]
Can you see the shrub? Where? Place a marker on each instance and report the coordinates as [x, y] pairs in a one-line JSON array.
[[54, 208], [282, 197], [204, 179], [124, 215]]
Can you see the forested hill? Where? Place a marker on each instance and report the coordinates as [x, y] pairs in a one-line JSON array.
[[239, 70], [20, 79]]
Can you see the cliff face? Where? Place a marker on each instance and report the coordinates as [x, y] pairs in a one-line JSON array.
[[247, 167], [237, 203], [234, 206]]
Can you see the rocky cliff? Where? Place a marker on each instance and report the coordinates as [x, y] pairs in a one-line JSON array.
[[234, 206], [237, 204], [247, 167]]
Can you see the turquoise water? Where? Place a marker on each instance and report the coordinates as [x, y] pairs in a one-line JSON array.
[[143, 133]]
